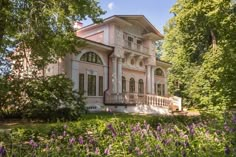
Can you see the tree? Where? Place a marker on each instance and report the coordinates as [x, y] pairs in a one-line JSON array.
[[44, 27], [159, 49], [40, 32], [200, 43]]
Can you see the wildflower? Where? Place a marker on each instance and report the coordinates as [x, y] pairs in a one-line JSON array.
[[72, 140], [227, 150], [191, 130], [65, 127], [3, 152], [91, 140], [112, 130], [97, 151], [33, 144], [81, 141], [186, 144], [107, 150], [159, 127], [64, 133], [234, 119]]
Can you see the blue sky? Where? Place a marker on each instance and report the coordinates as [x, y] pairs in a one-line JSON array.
[[156, 11]]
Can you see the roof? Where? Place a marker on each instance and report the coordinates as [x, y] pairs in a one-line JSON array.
[[97, 43], [123, 19], [163, 61]]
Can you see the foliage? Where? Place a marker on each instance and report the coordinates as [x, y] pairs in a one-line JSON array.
[[159, 49], [126, 135], [43, 27], [200, 43], [47, 98]]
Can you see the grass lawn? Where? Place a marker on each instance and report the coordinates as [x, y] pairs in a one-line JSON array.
[[105, 134]]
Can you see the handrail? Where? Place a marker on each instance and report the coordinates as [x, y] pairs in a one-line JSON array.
[[135, 46], [137, 98]]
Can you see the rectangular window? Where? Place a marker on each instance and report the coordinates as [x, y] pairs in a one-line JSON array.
[[100, 86], [159, 89], [139, 43], [91, 85], [130, 40], [163, 90], [81, 83], [155, 88]]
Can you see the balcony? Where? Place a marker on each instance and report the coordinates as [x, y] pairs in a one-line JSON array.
[[135, 47]]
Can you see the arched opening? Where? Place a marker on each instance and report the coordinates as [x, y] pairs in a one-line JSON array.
[[140, 86], [123, 84], [132, 85], [91, 57], [159, 72]]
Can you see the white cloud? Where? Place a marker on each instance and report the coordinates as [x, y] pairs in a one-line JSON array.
[[110, 5]]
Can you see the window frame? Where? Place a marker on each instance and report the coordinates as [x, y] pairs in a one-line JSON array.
[[92, 90]]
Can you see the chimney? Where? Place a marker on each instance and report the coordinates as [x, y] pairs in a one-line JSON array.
[[77, 25]]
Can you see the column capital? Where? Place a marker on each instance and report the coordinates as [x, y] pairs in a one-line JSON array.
[[119, 60]]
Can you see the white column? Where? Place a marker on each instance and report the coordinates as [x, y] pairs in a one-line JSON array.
[[119, 75], [148, 79], [105, 78], [153, 80], [114, 75], [75, 75]]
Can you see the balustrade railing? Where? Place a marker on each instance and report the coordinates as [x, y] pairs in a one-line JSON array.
[[136, 47], [135, 98]]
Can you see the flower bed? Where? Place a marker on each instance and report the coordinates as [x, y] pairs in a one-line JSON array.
[[118, 135]]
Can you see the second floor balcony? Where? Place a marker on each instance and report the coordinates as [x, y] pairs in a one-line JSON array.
[[136, 47], [134, 43]]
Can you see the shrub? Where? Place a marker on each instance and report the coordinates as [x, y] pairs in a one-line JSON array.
[[47, 98]]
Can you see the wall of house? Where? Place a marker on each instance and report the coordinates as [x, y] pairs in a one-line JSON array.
[[98, 34], [87, 68], [137, 75]]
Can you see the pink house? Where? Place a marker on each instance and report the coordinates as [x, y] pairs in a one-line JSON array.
[[118, 69]]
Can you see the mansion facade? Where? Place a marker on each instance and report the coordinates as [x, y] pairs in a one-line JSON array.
[[118, 69]]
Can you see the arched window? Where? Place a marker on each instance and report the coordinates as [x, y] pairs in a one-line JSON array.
[[91, 57], [132, 85], [123, 84], [159, 72], [140, 86]]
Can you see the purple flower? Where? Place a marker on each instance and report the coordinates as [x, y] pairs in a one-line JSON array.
[[226, 127], [112, 130], [186, 144], [191, 130], [65, 127], [227, 150], [107, 150], [97, 151], [3, 152], [159, 127], [33, 144], [81, 141], [234, 119], [64, 133], [72, 140]]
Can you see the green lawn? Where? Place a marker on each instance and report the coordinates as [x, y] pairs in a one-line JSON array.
[[105, 134]]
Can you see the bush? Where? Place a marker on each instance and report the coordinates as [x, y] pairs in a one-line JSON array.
[[49, 98]]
